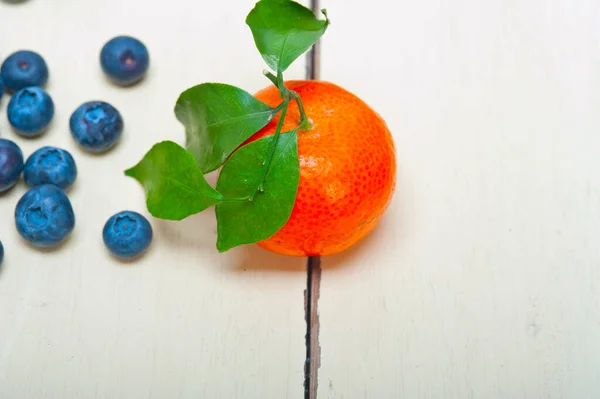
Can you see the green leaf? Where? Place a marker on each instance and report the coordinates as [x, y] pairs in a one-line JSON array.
[[283, 30], [175, 187], [218, 118], [249, 221]]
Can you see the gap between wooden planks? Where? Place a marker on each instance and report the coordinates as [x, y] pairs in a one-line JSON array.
[[313, 272]]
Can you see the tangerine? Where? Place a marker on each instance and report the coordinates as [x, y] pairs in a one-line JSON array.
[[347, 170]]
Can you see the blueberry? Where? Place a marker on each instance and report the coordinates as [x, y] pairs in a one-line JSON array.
[[124, 60], [50, 165], [22, 69], [127, 234], [30, 111], [1, 87], [96, 126], [11, 164], [44, 216], [1, 253]]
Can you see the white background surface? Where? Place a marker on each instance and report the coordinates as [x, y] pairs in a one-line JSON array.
[[481, 282], [483, 279]]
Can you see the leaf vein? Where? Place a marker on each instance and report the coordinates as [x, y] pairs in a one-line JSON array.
[[239, 118], [184, 186]]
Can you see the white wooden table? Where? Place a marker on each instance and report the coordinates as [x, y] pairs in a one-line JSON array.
[[482, 281]]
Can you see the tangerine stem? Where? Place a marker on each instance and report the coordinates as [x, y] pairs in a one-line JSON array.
[[305, 123], [272, 150], [278, 108], [271, 77], [283, 91]]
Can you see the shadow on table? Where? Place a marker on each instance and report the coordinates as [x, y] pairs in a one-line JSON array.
[[194, 232], [198, 233], [14, 1], [253, 257]]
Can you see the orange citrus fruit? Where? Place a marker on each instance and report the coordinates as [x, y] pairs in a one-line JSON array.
[[347, 170]]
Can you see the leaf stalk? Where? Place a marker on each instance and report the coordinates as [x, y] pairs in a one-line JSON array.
[[272, 149]]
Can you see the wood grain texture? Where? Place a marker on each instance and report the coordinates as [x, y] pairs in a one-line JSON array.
[[313, 346], [482, 281], [183, 321], [313, 271]]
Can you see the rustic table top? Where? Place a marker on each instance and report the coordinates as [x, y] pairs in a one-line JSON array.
[[480, 282]]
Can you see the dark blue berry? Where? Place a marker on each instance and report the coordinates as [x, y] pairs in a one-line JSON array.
[[124, 60], [11, 164], [1, 253], [22, 69], [127, 234], [96, 126], [44, 216], [1, 87], [50, 165], [30, 111]]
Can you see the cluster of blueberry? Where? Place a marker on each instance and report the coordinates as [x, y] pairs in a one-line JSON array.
[[44, 215]]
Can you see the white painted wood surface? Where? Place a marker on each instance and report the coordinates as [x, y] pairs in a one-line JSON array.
[[184, 321], [483, 279]]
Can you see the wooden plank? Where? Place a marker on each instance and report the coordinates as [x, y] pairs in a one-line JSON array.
[[184, 321], [313, 270], [482, 279], [313, 348]]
